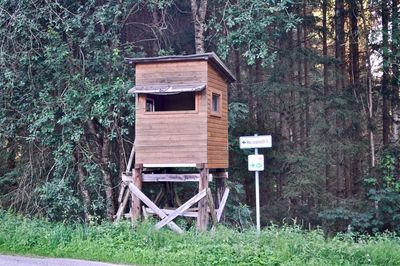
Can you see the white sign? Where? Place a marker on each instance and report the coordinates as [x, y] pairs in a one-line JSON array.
[[252, 142], [256, 162]]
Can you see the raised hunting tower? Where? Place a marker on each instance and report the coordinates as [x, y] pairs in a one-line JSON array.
[[182, 111], [181, 122]]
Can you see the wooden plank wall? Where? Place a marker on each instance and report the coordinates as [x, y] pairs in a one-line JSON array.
[[217, 127], [185, 73], [171, 137]]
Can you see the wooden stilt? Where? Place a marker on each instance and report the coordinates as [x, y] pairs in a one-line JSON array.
[[136, 203], [130, 161], [221, 186], [169, 195], [159, 196], [202, 218], [211, 205], [121, 192], [222, 204], [176, 197], [122, 205]]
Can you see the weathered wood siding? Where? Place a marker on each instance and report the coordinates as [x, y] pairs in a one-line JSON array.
[[171, 137], [171, 73], [183, 136], [217, 127]]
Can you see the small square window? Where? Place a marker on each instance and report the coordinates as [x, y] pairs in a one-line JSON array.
[[216, 104]]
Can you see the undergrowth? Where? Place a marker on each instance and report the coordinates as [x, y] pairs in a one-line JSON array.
[[142, 245]]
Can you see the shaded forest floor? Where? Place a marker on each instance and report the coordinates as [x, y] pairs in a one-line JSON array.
[[143, 245]]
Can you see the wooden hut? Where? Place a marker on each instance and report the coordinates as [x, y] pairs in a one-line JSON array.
[[181, 111], [181, 122]]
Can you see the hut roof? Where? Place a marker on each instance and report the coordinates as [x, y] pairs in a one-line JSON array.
[[167, 89], [212, 58]]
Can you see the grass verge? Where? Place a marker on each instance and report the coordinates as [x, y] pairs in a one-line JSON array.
[[145, 246]]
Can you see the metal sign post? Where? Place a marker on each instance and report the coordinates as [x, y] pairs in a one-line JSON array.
[[257, 176], [256, 163]]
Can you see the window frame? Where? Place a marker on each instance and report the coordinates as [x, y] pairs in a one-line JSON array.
[[217, 113], [153, 105], [195, 111]]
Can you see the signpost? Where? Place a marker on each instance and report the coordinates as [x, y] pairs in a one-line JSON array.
[[251, 142], [256, 162]]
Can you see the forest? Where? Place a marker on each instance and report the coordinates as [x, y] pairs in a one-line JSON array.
[[321, 77]]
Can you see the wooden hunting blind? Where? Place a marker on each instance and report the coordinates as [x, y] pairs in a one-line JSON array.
[[181, 122], [182, 110]]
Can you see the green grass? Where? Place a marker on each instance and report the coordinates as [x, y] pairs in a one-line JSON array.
[[145, 246]]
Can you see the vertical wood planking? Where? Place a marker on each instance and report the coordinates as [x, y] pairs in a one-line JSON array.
[[171, 139], [217, 127]]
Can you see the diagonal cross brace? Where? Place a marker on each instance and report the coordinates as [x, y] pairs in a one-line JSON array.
[[222, 204], [136, 191], [168, 219]]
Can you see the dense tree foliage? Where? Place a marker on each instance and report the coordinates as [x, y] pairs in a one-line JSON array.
[[322, 77]]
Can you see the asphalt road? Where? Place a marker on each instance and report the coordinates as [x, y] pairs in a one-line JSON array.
[[6, 260]]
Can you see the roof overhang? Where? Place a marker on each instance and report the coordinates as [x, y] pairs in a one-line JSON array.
[[167, 89], [212, 58]]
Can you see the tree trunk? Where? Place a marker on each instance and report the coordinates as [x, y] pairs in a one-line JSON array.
[[102, 151], [293, 98], [199, 9], [238, 76], [339, 44], [82, 186], [354, 68], [395, 71], [369, 86], [386, 121], [105, 160], [339, 81], [326, 89], [156, 44], [301, 133], [354, 73], [306, 78], [327, 112]]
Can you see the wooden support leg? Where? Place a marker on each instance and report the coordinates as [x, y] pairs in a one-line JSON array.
[[202, 218], [212, 208], [159, 196], [222, 204], [136, 208], [221, 186], [122, 205], [121, 192], [177, 200]]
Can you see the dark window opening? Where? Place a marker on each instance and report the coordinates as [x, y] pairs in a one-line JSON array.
[[184, 101], [215, 105], [149, 105]]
